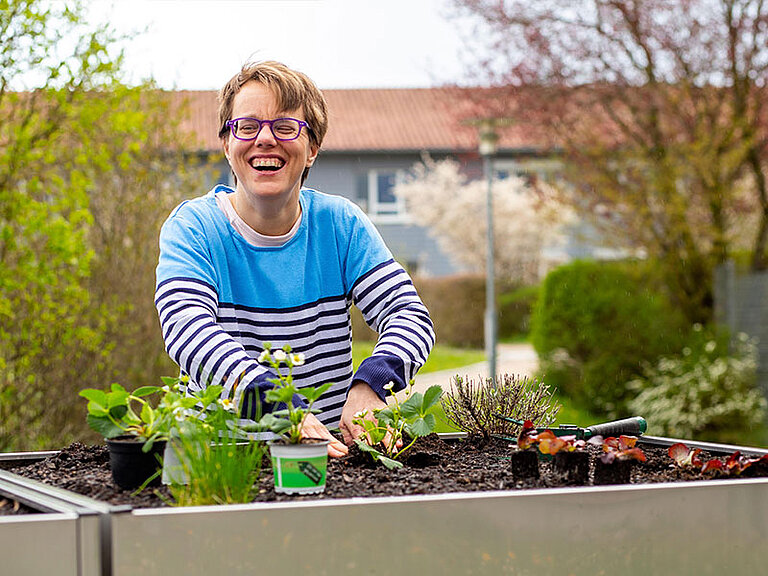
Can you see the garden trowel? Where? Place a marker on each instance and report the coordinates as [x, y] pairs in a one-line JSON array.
[[634, 426]]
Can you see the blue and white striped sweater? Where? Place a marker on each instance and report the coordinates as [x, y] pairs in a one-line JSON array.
[[220, 299]]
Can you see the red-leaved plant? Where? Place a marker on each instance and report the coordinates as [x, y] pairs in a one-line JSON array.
[[621, 448], [547, 441], [734, 465], [685, 457]]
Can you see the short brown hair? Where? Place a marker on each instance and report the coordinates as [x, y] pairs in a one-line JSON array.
[[293, 90]]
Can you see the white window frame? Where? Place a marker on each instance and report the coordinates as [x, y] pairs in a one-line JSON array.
[[382, 212]]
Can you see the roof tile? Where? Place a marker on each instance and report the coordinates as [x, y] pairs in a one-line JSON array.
[[432, 119]]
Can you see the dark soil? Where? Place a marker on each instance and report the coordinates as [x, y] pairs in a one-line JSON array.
[[435, 466]]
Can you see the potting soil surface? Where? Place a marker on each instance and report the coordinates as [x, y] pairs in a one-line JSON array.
[[435, 466]]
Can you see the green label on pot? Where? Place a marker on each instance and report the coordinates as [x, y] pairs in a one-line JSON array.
[[299, 472]]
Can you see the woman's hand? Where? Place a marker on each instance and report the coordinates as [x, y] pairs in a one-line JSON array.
[[313, 428], [361, 397]]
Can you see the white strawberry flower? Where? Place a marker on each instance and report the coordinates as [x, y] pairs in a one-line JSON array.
[[389, 385], [227, 404], [280, 355], [297, 359], [264, 357]]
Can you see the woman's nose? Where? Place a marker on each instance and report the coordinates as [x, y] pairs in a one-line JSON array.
[[265, 136]]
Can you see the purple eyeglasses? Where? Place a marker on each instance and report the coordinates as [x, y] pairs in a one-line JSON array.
[[283, 129]]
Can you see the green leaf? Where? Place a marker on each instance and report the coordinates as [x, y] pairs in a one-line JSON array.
[[97, 409], [312, 394], [104, 426], [145, 391], [389, 463], [431, 397], [422, 426], [411, 408], [97, 396], [277, 395], [117, 388], [386, 417], [365, 447], [118, 412], [147, 414], [117, 398]]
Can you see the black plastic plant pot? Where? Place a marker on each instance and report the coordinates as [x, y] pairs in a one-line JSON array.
[[524, 464], [617, 472], [571, 467], [131, 466]]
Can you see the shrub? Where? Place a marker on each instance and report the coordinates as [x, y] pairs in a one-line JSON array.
[[457, 307], [594, 325], [515, 307], [472, 406], [704, 391]]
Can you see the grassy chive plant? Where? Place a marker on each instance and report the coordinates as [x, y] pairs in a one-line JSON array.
[[218, 461]]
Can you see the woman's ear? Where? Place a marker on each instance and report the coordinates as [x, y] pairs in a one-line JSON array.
[[225, 147], [313, 151]]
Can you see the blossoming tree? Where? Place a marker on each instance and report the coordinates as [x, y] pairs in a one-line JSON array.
[[528, 224]]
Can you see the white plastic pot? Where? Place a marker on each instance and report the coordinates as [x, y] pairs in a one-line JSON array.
[[299, 468]]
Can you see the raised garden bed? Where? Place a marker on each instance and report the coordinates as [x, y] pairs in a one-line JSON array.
[[46, 530], [438, 466], [485, 524]]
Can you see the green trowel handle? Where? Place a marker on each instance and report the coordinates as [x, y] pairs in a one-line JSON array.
[[634, 426]]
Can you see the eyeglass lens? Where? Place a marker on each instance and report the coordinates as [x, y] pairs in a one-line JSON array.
[[282, 128]]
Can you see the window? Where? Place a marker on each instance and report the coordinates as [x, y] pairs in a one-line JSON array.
[[376, 195]]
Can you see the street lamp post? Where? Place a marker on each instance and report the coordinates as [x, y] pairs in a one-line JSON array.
[[487, 147]]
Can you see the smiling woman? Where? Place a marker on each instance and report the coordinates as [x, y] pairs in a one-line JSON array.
[[270, 263]]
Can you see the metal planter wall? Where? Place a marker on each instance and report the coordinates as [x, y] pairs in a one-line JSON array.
[[64, 537], [702, 527]]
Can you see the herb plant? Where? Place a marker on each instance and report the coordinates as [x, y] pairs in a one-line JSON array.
[[220, 464], [472, 406], [685, 457], [410, 419], [118, 412], [287, 422], [551, 444]]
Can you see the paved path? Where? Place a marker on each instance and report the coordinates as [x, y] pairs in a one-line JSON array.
[[517, 359]]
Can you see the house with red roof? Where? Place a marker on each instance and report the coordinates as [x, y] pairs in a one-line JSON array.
[[375, 136]]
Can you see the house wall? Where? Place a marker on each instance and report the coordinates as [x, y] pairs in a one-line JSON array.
[[348, 175]]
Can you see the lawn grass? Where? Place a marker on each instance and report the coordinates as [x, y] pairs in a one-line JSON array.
[[441, 357]]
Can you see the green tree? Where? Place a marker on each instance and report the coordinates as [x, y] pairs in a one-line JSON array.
[[659, 107], [86, 176]]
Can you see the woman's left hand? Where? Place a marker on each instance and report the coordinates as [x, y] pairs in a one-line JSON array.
[[313, 428]]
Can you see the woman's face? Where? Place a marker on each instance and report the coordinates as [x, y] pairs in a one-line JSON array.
[[266, 167]]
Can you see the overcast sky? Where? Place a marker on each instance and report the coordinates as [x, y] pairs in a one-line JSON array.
[[200, 44]]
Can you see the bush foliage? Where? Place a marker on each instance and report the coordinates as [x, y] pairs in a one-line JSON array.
[[704, 392], [594, 325], [86, 179]]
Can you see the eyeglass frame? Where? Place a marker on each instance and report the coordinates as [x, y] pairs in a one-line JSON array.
[[231, 124]]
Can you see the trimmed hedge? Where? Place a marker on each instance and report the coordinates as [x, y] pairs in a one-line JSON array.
[[594, 325], [457, 307]]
